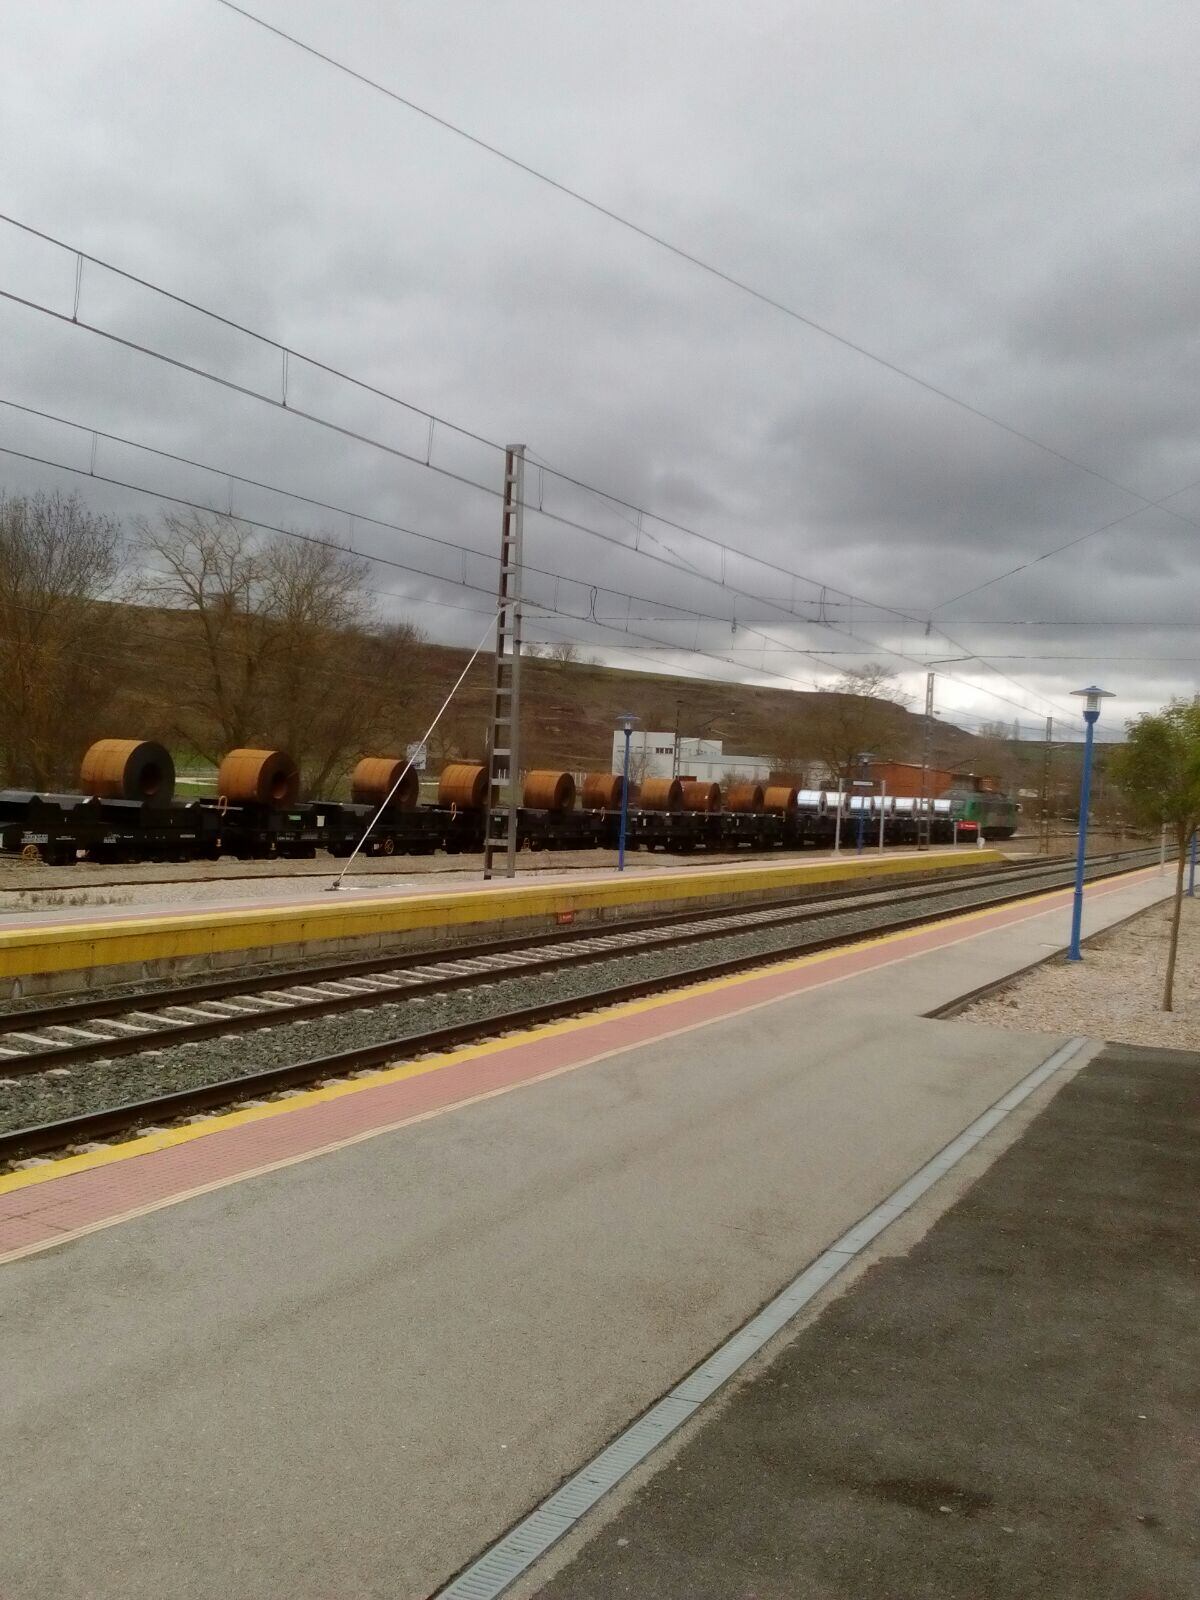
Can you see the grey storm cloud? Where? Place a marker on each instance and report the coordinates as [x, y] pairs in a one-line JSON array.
[[1000, 200]]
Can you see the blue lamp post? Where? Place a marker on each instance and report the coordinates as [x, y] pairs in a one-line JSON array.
[[1091, 697], [625, 721], [1192, 870]]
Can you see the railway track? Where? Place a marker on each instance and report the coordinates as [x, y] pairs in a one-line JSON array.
[[162, 1028]]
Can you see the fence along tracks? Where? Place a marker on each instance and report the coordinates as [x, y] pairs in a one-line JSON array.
[[55, 1039]]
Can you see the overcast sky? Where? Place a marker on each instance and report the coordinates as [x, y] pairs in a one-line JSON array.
[[1001, 200]]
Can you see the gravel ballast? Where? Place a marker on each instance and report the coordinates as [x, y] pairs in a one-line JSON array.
[[29, 1101], [1115, 992]]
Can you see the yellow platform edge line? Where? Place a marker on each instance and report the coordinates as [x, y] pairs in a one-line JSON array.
[[31, 951], [169, 1137]]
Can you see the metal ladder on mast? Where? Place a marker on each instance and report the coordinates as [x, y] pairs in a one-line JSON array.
[[500, 816]]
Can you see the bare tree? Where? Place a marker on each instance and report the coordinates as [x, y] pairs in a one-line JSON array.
[[61, 634], [283, 645], [564, 652], [995, 754], [859, 713], [210, 568]]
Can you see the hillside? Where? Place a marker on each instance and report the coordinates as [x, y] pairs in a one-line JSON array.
[[570, 710]]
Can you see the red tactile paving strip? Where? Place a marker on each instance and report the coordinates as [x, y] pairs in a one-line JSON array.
[[48, 1211]]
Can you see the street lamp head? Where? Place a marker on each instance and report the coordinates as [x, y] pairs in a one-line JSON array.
[[625, 721], [1091, 696]]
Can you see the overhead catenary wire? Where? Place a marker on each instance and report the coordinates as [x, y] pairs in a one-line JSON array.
[[1067, 544], [683, 614], [682, 254], [800, 650], [276, 528], [357, 436], [283, 404], [90, 472], [226, 475], [392, 562]]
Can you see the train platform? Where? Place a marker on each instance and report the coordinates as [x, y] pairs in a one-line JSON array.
[[1032, 1359], [340, 1344], [44, 950]]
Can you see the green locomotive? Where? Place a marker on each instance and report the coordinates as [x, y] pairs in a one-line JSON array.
[[993, 813]]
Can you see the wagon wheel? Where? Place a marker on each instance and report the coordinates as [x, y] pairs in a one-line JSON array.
[[31, 852]]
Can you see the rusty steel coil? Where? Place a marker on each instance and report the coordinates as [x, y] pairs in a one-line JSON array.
[[463, 784], [700, 795], [128, 769], [744, 797], [258, 777], [602, 791], [375, 777], [780, 797], [548, 791], [661, 794]]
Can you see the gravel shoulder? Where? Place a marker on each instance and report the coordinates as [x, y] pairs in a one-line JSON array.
[[1115, 992], [29, 1100]]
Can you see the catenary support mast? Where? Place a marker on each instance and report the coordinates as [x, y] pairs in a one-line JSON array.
[[503, 755], [924, 829]]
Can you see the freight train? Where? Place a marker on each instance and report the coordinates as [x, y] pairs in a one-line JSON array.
[[127, 811]]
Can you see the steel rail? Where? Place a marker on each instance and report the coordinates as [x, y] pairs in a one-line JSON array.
[[127, 1118], [600, 943]]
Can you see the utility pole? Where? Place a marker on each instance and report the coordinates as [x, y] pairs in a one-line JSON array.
[[503, 757], [1044, 800], [675, 756], [924, 831]]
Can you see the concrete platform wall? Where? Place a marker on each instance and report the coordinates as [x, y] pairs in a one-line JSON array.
[[67, 956]]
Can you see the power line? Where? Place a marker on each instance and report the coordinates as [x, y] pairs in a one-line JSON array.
[[1070, 622], [682, 613], [389, 449], [1068, 544], [680, 253], [292, 533], [288, 354], [591, 619], [552, 609], [771, 650], [282, 403]]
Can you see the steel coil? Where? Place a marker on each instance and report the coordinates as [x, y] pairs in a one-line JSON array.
[[661, 794], [602, 791], [463, 784], [128, 769], [258, 777], [701, 796], [375, 777], [744, 797], [780, 797], [548, 791]]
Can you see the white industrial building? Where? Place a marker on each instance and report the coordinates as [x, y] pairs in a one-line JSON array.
[[652, 755]]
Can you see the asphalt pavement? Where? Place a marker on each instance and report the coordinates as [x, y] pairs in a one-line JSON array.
[[346, 1376], [1007, 1410]]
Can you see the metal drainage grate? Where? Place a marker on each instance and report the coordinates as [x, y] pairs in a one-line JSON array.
[[515, 1553]]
